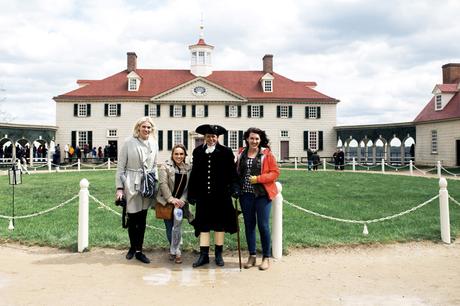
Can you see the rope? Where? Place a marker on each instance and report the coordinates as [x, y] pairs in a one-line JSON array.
[[363, 221], [454, 174], [397, 168], [41, 212], [453, 200]]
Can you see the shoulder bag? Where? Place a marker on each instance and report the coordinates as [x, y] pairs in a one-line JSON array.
[[165, 212]]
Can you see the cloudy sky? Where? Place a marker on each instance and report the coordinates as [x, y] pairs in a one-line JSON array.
[[381, 59]]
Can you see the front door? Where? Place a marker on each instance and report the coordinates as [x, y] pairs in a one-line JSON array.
[[113, 150], [284, 154], [458, 152], [199, 141]]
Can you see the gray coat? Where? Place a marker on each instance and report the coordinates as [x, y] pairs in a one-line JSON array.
[[133, 157], [166, 180]]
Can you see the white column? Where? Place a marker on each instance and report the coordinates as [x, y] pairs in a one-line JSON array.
[[49, 165], [411, 167], [438, 165], [277, 224], [108, 163], [295, 163], [324, 164], [444, 210], [83, 215], [78, 164], [354, 164], [383, 165]]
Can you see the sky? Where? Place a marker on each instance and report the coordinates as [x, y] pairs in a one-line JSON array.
[[381, 59]]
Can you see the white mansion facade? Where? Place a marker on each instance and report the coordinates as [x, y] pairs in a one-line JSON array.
[[294, 115]]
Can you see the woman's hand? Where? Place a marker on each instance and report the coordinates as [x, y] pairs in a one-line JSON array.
[[178, 203], [119, 194]]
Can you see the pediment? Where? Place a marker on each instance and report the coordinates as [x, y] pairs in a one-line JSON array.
[[199, 89]]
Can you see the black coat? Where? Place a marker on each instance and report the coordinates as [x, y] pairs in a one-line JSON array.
[[212, 181]]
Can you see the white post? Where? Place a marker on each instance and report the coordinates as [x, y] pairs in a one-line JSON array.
[[439, 168], [444, 210], [324, 164], [277, 223], [295, 163], [108, 163], [83, 212], [354, 164], [383, 165], [49, 165], [411, 167], [78, 164]]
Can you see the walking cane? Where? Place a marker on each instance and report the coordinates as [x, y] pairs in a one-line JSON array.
[[238, 231]]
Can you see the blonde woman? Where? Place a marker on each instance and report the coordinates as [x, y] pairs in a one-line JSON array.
[[138, 153]]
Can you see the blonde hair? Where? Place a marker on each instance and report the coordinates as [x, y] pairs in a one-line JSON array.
[[140, 122]]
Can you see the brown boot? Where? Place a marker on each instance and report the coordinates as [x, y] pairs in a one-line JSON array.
[[251, 262], [265, 264]]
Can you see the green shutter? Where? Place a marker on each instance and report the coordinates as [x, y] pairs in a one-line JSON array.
[[185, 139], [146, 110], [320, 141], [170, 140], [305, 140], [160, 140]]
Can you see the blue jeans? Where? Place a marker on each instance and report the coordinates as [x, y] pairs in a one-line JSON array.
[[169, 225], [257, 210]]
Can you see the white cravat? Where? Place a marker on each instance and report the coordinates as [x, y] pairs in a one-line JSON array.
[[209, 150]]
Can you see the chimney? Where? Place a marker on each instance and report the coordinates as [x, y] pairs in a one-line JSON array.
[[268, 63], [132, 61], [451, 73]]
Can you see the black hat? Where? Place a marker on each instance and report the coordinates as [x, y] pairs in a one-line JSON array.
[[210, 129]]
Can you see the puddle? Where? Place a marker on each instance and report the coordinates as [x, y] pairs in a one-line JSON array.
[[188, 276]]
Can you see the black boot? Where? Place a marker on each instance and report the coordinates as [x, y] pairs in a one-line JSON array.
[[204, 257], [218, 253]]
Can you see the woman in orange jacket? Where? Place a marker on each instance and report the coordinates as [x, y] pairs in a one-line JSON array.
[[258, 171]]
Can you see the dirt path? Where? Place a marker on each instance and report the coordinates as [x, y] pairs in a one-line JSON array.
[[398, 274]]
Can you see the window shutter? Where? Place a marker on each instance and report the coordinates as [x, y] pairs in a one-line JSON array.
[[160, 140], [184, 111], [307, 112], [305, 140], [88, 110], [73, 141], [261, 111], [206, 111], [320, 141], [171, 111], [227, 111], [146, 110], [240, 139], [158, 110], [278, 111], [290, 111], [75, 110], [249, 111], [170, 139], [318, 112], [118, 110], [185, 139], [90, 139], [106, 109], [239, 110], [193, 110], [226, 139]]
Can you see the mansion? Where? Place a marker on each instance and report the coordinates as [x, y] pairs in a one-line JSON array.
[[103, 112]]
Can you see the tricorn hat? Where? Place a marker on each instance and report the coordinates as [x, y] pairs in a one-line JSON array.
[[210, 129]]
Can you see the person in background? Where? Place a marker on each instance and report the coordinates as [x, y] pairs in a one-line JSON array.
[[138, 154], [309, 159], [316, 160], [258, 171], [173, 178]]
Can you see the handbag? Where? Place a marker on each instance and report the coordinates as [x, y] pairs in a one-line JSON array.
[[148, 186], [165, 212]]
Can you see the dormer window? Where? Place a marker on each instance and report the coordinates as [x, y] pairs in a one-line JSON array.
[[134, 81], [438, 105], [267, 82], [268, 86], [132, 84]]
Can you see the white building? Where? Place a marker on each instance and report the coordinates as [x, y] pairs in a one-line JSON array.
[[294, 115]]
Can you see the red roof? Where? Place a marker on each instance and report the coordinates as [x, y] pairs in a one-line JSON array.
[[155, 81], [447, 87], [450, 111]]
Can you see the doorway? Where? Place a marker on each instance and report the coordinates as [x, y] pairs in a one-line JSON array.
[[458, 152], [113, 150], [284, 154]]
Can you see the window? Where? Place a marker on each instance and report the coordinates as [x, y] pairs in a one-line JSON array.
[[232, 111], [199, 111], [113, 110], [268, 86], [255, 111], [177, 112], [200, 57], [132, 84], [438, 102], [82, 110], [208, 57], [82, 138], [312, 112], [153, 111], [194, 58], [434, 142], [111, 133], [313, 140], [233, 140], [177, 137], [284, 133], [284, 111]]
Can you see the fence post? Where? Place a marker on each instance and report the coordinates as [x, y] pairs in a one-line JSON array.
[[324, 164], [78, 164], [277, 223], [444, 210], [83, 212], [383, 165], [295, 163], [108, 163], [354, 164], [49, 165], [438, 165], [411, 167]]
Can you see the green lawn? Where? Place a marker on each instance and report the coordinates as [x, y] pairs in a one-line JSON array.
[[358, 196]]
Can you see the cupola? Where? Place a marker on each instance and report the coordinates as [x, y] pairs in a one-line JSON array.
[[201, 54]]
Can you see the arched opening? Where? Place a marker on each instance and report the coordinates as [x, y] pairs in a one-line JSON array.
[[409, 149], [339, 144], [352, 149], [23, 150], [379, 149], [40, 151], [6, 151], [395, 151]]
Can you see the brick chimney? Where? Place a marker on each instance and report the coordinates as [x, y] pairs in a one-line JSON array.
[[451, 73], [132, 61], [268, 63]]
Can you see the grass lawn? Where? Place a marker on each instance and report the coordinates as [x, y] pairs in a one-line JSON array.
[[358, 196]]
